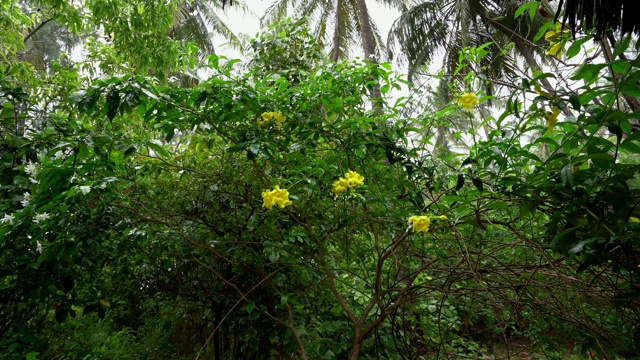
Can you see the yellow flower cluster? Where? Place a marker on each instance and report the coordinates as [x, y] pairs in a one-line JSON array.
[[351, 180], [468, 101], [555, 40], [421, 223], [276, 196], [271, 117]]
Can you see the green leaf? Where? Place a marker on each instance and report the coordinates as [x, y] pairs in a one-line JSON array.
[[621, 46], [477, 183], [159, 150], [543, 30], [630, 143], [460, 182], [588, 72], [563, 239], [83, 151], [621, 66], [575, 47], [530, 6], [615, 129], [574, 100], [602, 160], [566, 175]]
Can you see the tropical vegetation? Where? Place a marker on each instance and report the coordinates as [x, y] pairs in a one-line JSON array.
[[161, 200]]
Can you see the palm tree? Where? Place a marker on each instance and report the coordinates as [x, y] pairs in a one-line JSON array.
[[451, 25], [193, 19], [341, 23]]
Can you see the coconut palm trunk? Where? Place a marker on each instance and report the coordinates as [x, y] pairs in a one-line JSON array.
[[368, 45]]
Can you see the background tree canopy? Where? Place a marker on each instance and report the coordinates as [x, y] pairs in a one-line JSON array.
[[162, 201]]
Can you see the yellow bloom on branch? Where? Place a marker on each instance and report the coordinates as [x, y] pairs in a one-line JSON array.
[[552, 118], [468, 101], [271, 117], [349, 181], [420, 223], [552, 35], [276, 196], [442, 217], [555, 50], [541, 92], [556, 41]]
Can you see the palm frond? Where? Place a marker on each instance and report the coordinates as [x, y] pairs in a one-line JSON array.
[[418, 32], [220, 27], [277, 11], [193, 29], [381, 49]]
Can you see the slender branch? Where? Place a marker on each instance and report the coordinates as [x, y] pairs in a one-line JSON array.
[[242, 297], [36, 29]]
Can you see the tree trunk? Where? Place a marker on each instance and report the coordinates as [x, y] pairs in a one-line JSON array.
[[366, 32], [335, 53], [368, 45], [354, 354]]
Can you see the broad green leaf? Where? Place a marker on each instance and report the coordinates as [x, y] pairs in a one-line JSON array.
[[621, 46], [533, 5], [588, 72], [478, 183], [575, 47], [159, 150], [566, 175], [460, 181], [83, 151]]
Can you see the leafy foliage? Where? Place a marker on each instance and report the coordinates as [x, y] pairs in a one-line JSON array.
[[134, 222]]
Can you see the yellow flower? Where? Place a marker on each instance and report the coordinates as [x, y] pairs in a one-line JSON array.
[[278, 118], [268, 117], [420, 223], [552, 118], [634, 220], [551, 36], [276, 196], [351, 180], [468, 101], [555, 50], [556, 43], [541, 92], [354, 179], [554, 34], [442, 217]]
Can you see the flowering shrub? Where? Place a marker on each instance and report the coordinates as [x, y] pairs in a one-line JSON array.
[[351, 180], [276, 196]]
